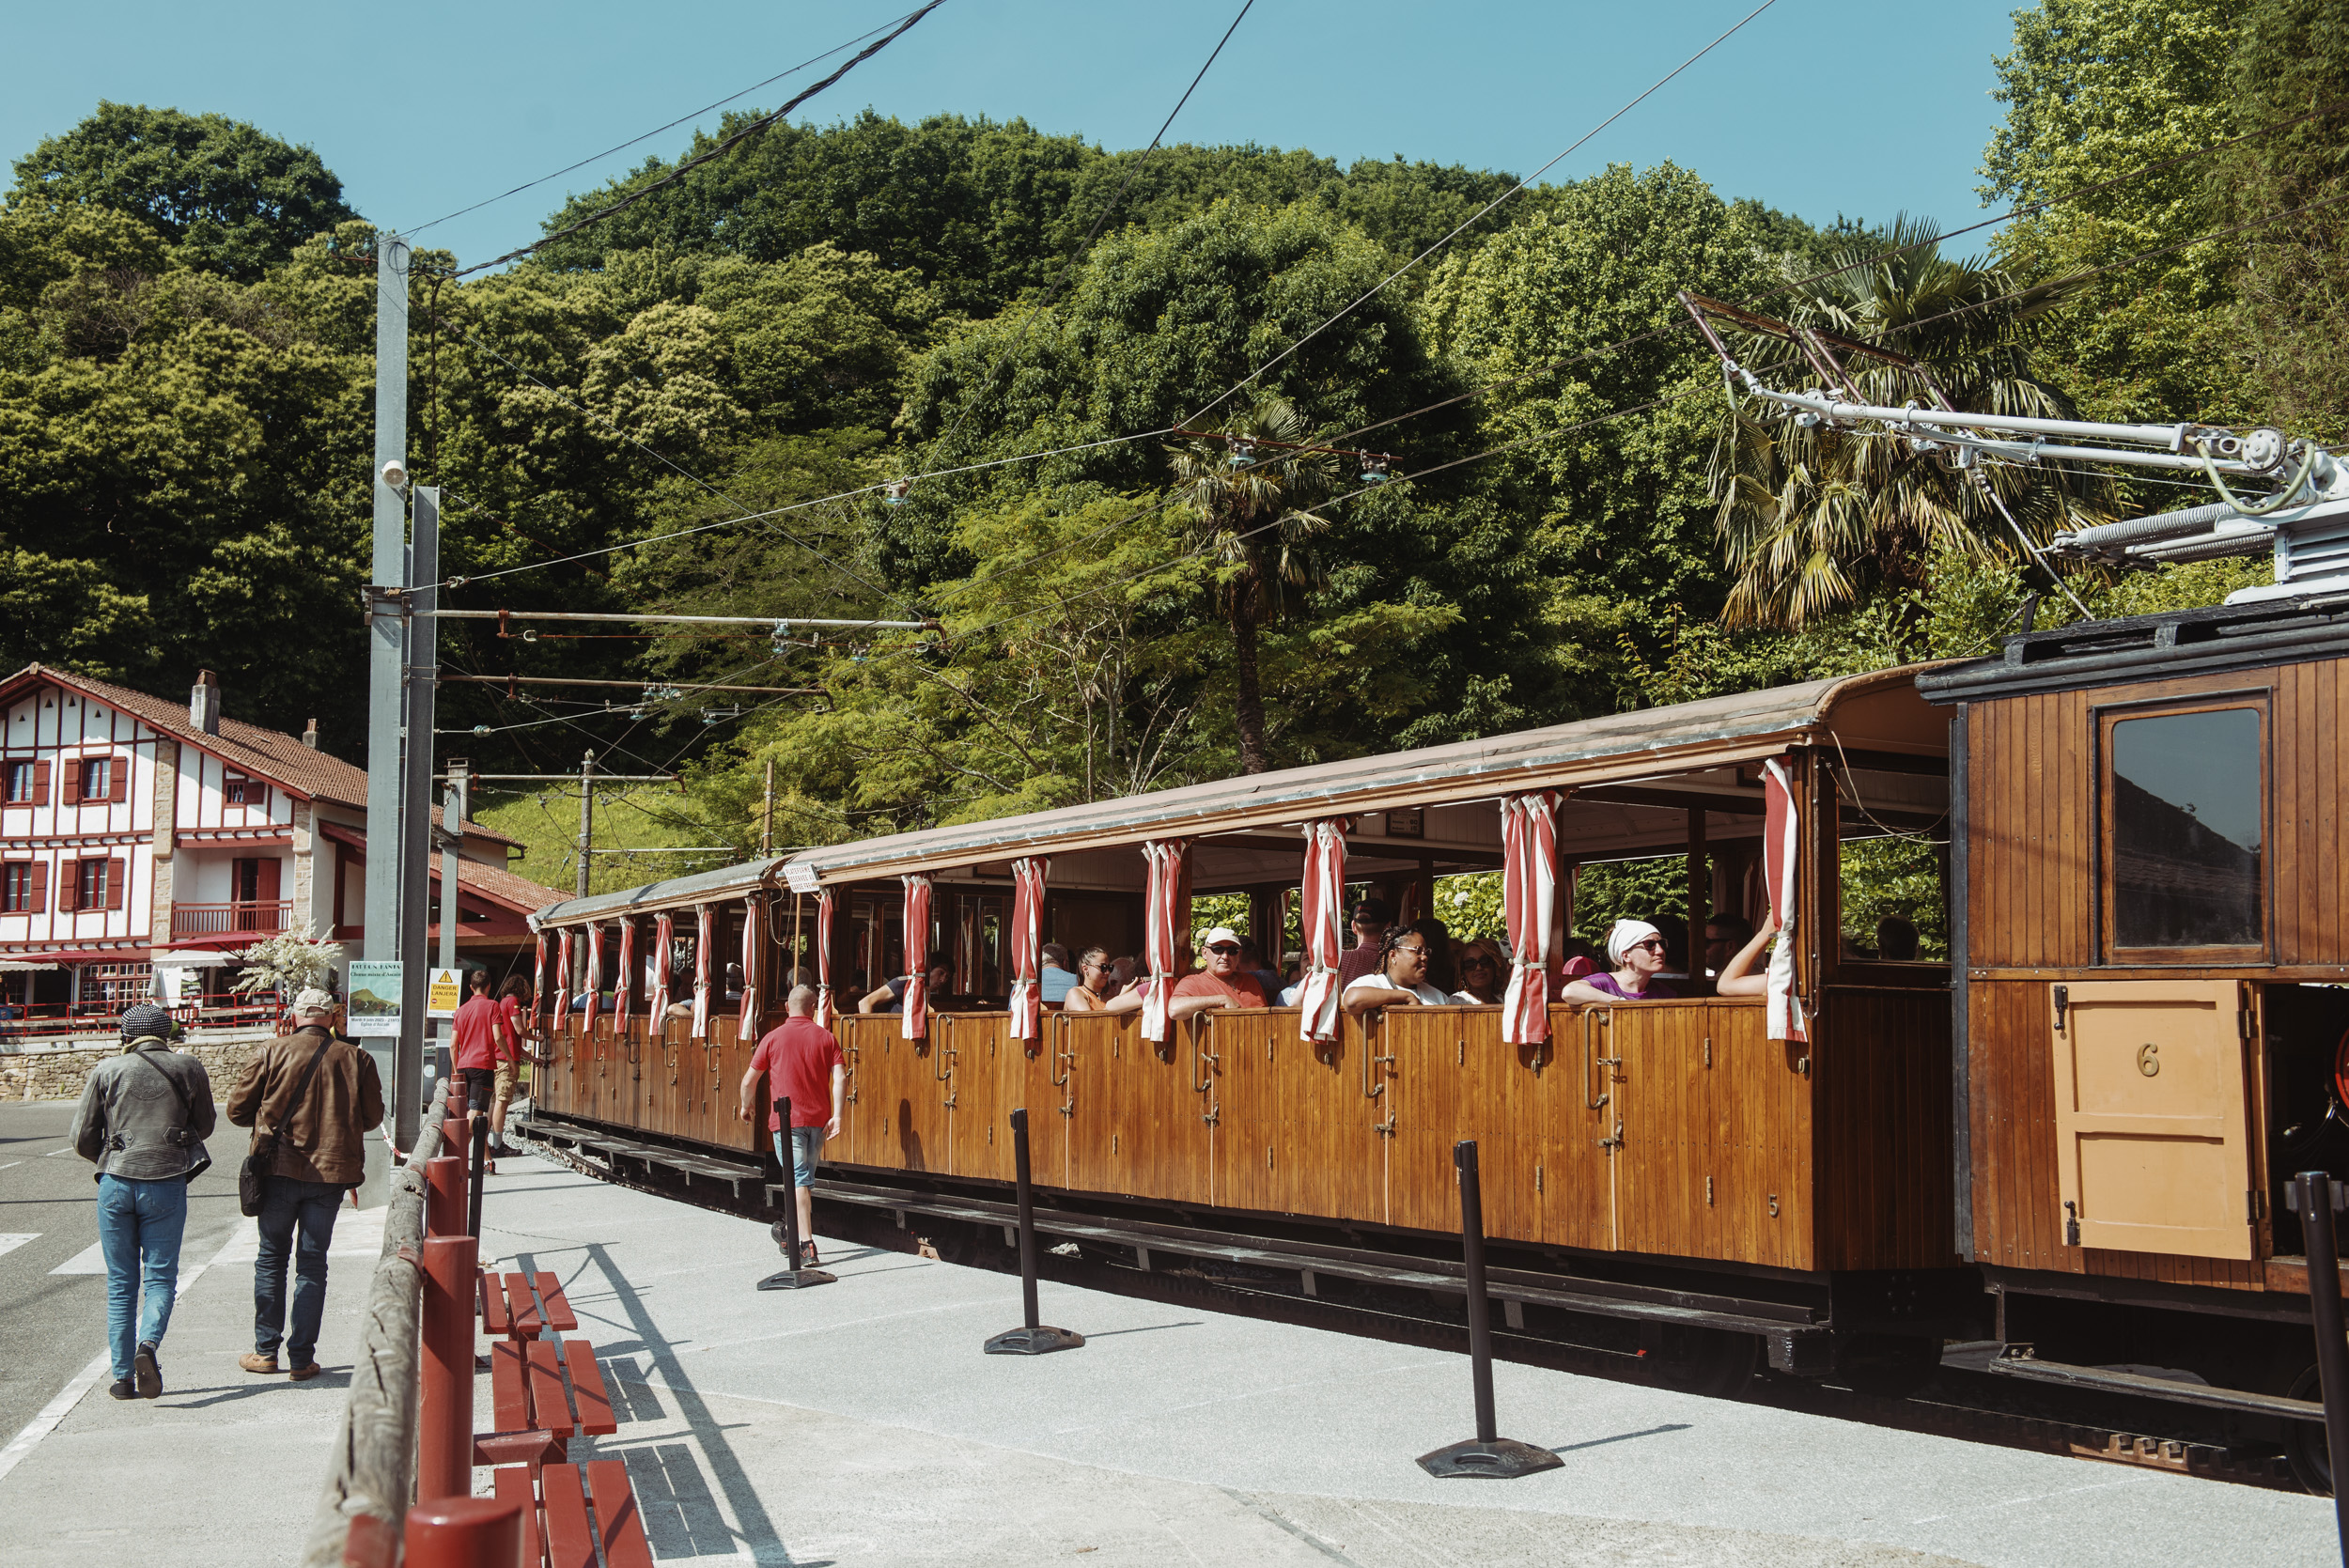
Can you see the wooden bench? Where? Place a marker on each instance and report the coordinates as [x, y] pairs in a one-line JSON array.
[[556, 1531], [526, 1393], [511, 1310]]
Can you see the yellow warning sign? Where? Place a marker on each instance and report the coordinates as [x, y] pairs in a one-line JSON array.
[[446, 990]]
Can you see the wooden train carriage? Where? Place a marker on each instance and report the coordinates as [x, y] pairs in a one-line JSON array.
[[1668, 1148], [2153, 931]]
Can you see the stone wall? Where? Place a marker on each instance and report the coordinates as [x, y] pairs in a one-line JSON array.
[[47, 1074]]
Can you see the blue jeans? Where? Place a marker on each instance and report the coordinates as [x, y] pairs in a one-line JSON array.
[[311, 1207], [139, 1227], [807, 1147]]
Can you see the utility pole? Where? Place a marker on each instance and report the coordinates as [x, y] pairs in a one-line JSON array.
[[453, 807], [767, 815], [387, 646], [415, 798], [586, 816]]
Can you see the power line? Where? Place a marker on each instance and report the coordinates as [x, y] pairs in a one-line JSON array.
[[646, 137], [756, 127]]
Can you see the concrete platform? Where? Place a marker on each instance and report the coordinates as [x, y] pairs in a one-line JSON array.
[[859, 1423]]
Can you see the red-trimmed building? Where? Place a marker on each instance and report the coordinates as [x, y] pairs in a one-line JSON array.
[[142, 840]]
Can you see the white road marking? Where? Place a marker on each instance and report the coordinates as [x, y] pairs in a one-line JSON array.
[[10, 1243], [54, 1153], [70, 1395], [11, 1165], [89, 1260]]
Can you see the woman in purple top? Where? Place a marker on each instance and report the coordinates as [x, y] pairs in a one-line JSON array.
[[1636, 951]]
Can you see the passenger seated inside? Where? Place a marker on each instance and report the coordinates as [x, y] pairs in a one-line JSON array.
[[1636, 949], [1055, 979], [1096, 983], [1222, 983], [1441, 973], [1581, 959], [1370, 920], [890, 995], [1896, 939], [1747, 974], [1483, 975], [1724, 934], [1252, 960], [1400, 981]]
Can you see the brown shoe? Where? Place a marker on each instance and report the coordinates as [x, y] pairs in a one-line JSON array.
[[257, 1363], [304, 1375]]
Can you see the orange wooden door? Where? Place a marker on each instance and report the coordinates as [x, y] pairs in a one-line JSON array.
[[1450, 1078], [979, 1056], [1137, 1127]]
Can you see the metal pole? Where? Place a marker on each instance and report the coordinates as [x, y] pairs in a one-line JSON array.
[[473, 1174], [414, 840], [1488, 1453], [386, 645], [2319, 1196], [766, 814], [453, 807], [786, 1229], [586, 816], [1032, 1337]]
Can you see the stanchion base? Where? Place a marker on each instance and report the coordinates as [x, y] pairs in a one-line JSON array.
[[1032, 1342], [796, 1279], [1503, 1459]]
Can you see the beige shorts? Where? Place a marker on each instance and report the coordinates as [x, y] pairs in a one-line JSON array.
[[501, 1088]]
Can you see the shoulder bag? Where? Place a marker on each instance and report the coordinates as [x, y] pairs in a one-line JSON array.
[[183, 1135], [253, 1175]]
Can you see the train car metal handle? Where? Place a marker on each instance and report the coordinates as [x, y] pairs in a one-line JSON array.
[[1591, 1015]]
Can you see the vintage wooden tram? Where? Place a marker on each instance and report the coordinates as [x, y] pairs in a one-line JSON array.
[[2071, 1131]]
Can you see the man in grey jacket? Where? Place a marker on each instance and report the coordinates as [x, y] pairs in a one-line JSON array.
[[143, 1120]]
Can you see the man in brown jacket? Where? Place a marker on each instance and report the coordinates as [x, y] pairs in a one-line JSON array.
[[320, 1153]]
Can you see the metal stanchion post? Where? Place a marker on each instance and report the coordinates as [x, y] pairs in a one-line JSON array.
[[1032, 1337], [1487, 1454], [473, 1177], [2320, 1196], [464, 1532], [443, 1195], [444, 1403], [786, 1229]]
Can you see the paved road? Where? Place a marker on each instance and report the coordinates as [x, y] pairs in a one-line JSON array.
[[51, 1325]]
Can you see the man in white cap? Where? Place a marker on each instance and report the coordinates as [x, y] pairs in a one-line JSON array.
[[310, 1099]]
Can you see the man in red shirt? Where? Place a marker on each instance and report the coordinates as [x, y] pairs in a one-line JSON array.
[[802, 1063], [479, 1034], [1222, 984]]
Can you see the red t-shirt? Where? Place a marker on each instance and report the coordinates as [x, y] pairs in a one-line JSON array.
[[1241, 989], [798, 1059], [511, 1007], [479, 1033]]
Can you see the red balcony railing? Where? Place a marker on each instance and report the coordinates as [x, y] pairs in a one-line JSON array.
[[214, 920]]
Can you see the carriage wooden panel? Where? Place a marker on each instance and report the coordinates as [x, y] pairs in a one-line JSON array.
[[898, 1120], [980, 1093], [1879, 1079], [1295, 1132], [1451, 1077], [1136, 1129]]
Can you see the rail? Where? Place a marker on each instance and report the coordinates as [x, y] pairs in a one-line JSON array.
[[375, 1449], [261, 918]]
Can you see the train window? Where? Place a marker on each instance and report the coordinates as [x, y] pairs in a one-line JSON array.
[[2185, 833]]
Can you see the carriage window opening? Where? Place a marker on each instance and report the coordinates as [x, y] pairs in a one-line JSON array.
[[2185, 830], [1892, 903]]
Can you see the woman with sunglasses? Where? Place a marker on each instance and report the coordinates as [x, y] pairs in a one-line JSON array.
[[1636, 951], [1096, 983], [1400, 979], [1483, 975]]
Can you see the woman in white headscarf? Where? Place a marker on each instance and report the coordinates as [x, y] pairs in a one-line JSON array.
[[1636, 951]]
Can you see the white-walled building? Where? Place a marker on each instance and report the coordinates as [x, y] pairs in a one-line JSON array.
[[141, 840]]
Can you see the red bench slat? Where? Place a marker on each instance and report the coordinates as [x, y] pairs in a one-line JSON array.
[[513, 1485], [595, 1399], [549, 1408], [569, 1541], [623, 1545], [508, 1391], [527, 1322], [495, 1321], [559, 1311]]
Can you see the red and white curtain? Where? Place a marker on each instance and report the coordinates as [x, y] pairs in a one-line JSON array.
[[917, 1022], [823, 958], [1529, 904], [1782, 857], [562, 978], [1323, 900], [704, 936], [538, 978], [624, 976], [1162, 933], [746, 1024], [593, 984], [663, 943], [1027, 936]]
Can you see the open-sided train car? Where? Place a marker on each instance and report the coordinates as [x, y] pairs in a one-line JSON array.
[[1664, 1177]]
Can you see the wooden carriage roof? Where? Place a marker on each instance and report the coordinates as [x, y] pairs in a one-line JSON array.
[[1881, 711]]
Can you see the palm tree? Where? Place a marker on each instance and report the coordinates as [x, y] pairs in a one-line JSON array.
[[1248, 496], [1810, 517]]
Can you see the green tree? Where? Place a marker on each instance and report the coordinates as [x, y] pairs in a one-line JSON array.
[[1251, 507], [229, 198]]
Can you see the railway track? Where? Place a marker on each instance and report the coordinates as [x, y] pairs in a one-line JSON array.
[[1958, 1399]]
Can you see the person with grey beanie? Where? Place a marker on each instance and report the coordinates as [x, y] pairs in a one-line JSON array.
[[143, 1120]]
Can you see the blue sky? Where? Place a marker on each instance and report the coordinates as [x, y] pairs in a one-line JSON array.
[[1817, 106]]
